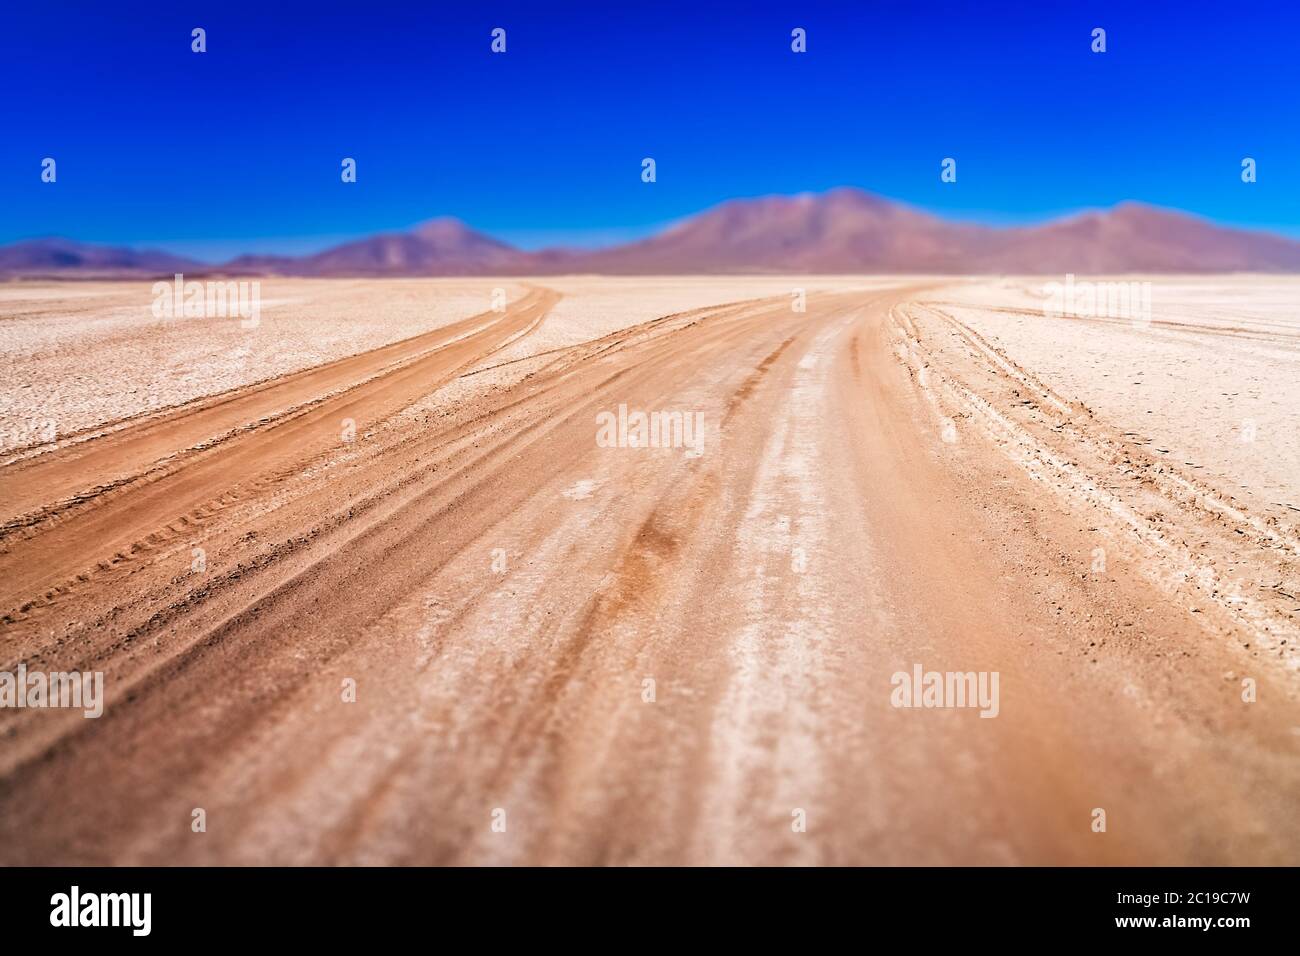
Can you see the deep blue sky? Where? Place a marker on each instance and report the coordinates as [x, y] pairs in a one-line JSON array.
[[238, 149]]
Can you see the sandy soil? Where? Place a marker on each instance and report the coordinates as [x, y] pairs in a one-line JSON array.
[[564, 652]]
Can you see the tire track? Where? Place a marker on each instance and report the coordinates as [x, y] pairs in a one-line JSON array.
[[52, 557], [767, 588]]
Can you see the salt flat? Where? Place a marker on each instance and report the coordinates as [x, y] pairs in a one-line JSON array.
[[1211, 381], [363, 576]]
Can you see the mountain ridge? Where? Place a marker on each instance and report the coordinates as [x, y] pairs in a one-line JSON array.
[[843, 230]]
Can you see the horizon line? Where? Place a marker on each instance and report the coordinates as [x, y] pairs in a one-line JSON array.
[[309, 245]]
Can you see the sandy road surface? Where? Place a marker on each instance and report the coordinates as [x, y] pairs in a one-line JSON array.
[[878, 487]]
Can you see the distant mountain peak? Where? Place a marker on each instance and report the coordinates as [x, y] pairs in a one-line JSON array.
[[445, 228], [57, 256], [841, 230]]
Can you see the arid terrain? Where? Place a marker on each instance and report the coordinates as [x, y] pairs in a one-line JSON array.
[[367, 585]]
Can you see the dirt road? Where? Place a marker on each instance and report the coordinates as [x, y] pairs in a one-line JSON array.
[[564, 652]]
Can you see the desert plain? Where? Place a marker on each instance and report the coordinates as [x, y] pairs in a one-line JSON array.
[[366, 588]]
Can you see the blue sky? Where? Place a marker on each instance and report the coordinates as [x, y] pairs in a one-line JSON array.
[[238, 149]]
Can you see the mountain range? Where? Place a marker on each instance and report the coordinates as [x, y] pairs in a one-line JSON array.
[[841, 231]]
